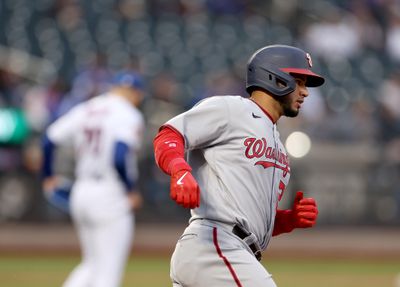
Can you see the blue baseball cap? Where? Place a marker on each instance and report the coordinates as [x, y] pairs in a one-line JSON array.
[[130, 79]]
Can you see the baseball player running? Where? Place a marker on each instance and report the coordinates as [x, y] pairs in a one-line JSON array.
[[104, 132], [236, 172]]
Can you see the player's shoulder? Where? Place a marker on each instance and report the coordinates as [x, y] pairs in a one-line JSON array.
[[221, 100], [93, 103], [123, 110], [136, 116], [75, 111]]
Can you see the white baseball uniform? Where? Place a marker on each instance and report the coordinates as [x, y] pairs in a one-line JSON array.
[[99, 204], [242, 170]]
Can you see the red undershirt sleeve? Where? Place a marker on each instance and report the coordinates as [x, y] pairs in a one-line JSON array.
[[169, 150], [283, 222]]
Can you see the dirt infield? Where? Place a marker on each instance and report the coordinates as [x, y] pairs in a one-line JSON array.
[[157, 238]]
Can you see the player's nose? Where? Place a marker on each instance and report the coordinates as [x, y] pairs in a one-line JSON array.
[[304, 91]]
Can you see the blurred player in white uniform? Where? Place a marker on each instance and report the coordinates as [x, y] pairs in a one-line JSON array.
[[106, 133], [236, 172]]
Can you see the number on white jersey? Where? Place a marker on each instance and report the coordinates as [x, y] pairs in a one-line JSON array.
[[92, 140]]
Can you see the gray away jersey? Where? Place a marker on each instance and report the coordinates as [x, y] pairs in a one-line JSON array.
[[238, 160]]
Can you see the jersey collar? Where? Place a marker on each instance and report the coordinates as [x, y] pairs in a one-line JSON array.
[[265, 111]]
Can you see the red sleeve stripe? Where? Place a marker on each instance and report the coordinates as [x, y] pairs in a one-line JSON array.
[[227, 263]]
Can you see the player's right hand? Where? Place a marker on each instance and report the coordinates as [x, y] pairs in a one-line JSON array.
[[184, 189]]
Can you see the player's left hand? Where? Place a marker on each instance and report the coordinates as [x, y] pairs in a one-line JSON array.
[[184, 189], [49, 184], [304, 211], [135, 200], [56, 190]]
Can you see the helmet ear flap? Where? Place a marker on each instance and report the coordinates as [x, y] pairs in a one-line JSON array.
[[271, 79]]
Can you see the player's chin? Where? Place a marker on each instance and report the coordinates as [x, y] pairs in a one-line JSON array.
[[291, 112]]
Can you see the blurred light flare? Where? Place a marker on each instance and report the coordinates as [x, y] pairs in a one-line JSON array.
[[298, 144]]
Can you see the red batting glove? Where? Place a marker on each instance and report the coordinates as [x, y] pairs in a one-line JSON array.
[[302, 215], [304, 211], [184, 189]]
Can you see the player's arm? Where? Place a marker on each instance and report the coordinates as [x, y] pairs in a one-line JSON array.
[[169, 150], [121, 153], [58, 133], [302, 215], [48, 148], [56, 190]]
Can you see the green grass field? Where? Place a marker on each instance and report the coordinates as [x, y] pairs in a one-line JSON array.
[[50, 271]]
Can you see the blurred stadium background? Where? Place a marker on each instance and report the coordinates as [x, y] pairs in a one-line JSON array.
[[56, 53]]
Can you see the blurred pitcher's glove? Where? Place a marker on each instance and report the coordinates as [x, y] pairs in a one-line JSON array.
[[57, 190], [184, 188], [303, 214]]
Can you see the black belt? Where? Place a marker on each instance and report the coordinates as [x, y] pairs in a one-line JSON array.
[[245, 235]]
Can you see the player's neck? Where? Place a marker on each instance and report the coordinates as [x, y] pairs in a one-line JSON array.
[[268, 103], [131, 96]]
